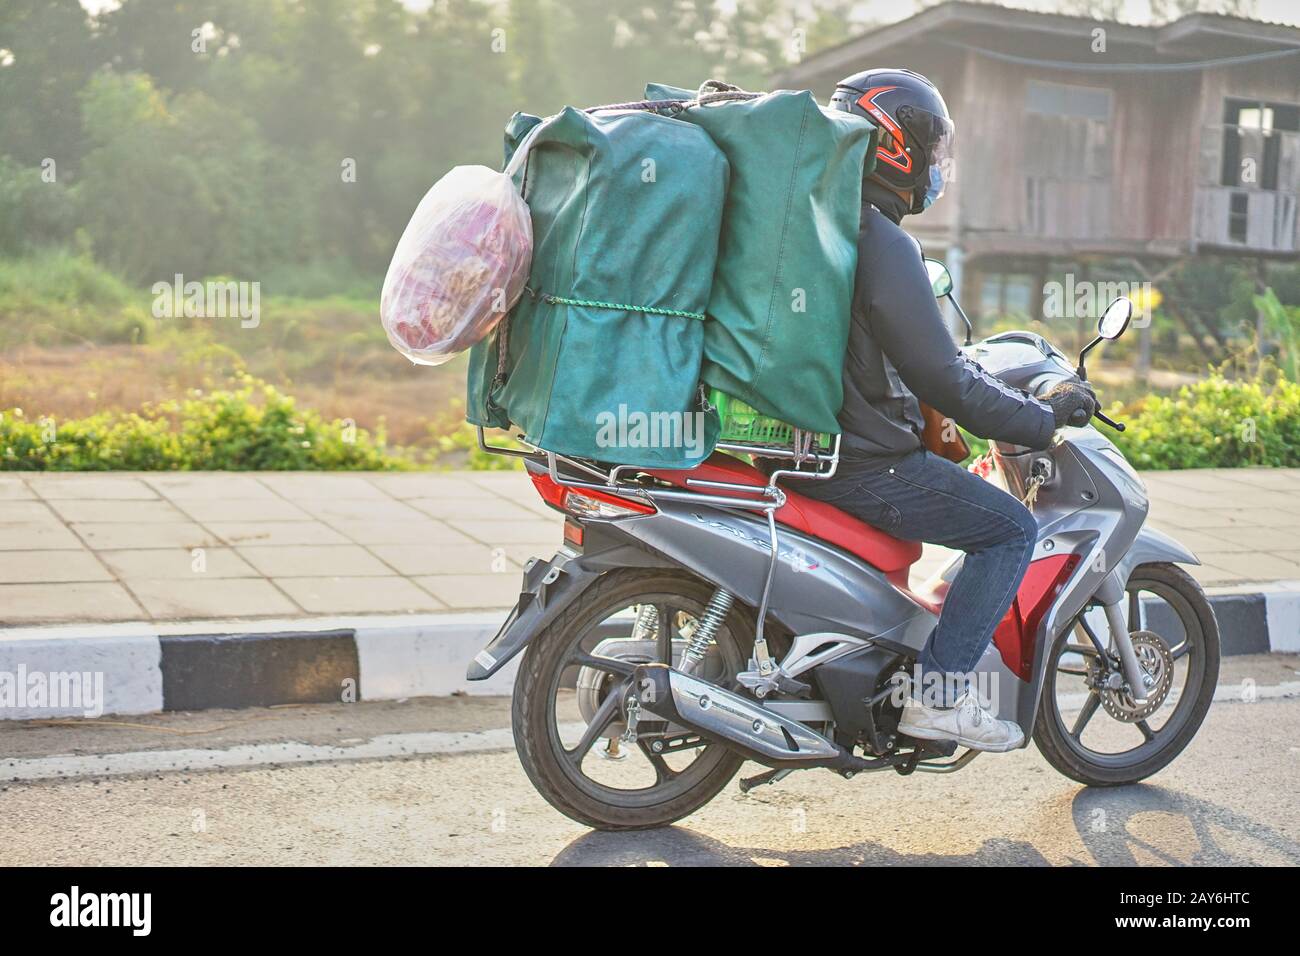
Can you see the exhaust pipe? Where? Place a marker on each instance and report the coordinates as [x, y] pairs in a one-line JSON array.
[[718, 714]]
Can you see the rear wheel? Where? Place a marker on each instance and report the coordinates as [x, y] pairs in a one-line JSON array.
[[568, 714], [1096, 733]]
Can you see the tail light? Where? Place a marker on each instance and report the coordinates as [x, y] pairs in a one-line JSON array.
[[587, 502]]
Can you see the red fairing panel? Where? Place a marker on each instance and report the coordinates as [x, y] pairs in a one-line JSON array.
[[816, 518], [1014, 637]]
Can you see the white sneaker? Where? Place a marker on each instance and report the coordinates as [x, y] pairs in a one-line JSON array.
[[967, 723]]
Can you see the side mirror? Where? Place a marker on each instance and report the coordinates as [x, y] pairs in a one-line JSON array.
[[1110, 326], [1115, 319], [941, 285], [940, 278]]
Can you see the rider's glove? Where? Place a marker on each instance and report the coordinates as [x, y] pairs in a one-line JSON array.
[[1073, 403]]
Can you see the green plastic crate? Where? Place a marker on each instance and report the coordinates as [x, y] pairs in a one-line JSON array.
[[742, 424]]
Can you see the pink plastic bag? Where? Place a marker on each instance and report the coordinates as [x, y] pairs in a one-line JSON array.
[[459, 267]]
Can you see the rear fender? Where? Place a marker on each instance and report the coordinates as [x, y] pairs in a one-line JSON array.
[[549, 587]]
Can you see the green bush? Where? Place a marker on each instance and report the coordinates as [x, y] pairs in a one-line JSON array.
[[252, 427], [64, 277], [1216, 423], [58, 297]]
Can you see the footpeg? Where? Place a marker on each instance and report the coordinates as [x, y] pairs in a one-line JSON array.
[[758, 780], [933, 748], [761, 686]]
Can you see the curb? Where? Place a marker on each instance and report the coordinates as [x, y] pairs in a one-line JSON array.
[[142, 669]]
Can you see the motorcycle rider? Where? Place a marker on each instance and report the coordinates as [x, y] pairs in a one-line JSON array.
[[899, 351]]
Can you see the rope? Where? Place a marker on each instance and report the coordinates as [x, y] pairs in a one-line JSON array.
[[649, 106], [618, 307], [710, 91]]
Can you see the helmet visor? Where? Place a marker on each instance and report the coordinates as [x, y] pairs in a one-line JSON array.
[[941, 166], [933, 134]]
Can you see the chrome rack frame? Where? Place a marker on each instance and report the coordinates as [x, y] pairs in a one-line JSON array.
[[767, 500]]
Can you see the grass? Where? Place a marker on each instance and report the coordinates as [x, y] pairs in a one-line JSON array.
[[83, 355], [76, 341]]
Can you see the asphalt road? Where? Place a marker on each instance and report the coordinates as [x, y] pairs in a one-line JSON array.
[[372, 784]]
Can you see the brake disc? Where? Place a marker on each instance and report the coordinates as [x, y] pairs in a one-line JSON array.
[[1155, 660]]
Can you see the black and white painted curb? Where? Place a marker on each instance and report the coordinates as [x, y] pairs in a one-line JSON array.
[[140, 669], [144, 669]]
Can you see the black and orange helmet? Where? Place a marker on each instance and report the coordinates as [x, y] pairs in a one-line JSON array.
[[915, 150]]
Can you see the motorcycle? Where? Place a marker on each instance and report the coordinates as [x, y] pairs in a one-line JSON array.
[[693, 620]]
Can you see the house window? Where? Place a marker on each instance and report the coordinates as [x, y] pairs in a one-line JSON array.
[[1261, 145], [1238, 208], [1067, 131]]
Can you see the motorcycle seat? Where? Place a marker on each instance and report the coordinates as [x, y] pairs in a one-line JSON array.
[[816, 518]]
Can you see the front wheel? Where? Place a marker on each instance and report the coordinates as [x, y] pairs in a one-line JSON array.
[[1095, 733], [568, 717]]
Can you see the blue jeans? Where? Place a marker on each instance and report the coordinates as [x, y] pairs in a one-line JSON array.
[[923, 497]]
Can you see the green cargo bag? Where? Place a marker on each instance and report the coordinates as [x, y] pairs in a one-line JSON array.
[[779, 310], [601, 356]]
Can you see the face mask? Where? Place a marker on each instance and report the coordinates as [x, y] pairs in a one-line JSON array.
[[935, 187]]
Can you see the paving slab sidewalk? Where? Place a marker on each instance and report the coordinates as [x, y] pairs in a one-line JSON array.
[[156, 547], [191, 591]]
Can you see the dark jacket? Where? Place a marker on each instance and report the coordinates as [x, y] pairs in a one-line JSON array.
[[900, 350]]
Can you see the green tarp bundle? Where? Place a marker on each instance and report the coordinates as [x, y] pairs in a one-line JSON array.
[[779, 308], [601, 357]]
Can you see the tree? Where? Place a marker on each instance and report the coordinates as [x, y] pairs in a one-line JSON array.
[[47, 52]]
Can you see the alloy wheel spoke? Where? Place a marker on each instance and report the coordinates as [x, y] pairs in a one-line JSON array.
[[602, 718], [664, 615], [1147, 732], [1085, 714], [1092, 635], [663, 772], [606, 665], [1082, 651]]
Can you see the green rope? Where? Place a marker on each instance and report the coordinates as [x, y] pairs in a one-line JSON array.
[[554, 299]]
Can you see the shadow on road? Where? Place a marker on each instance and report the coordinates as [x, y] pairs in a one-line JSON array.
[[1107, 824], [1120, 826], [677, 846]]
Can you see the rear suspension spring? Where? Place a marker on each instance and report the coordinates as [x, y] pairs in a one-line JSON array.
[[706, 628], [646, 627]]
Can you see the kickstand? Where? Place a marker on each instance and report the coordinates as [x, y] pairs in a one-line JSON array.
[[771, 776]]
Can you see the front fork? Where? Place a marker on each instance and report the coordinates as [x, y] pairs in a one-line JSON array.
[[1111, 597]]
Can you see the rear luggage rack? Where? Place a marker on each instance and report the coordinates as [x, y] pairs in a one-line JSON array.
[[764, 499], [812, 464]]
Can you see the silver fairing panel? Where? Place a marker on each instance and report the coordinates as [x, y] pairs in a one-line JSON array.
[[816, 587], [1093, 506]]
